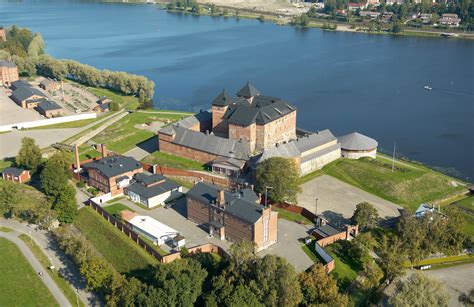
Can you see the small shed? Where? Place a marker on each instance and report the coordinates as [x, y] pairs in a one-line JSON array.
[[356, 145], [16, 174]]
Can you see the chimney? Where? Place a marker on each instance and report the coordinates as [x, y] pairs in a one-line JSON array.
[[103, 150], [220, 197], [76, 156]]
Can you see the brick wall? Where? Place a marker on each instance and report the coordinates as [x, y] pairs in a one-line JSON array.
[[182, 151], [259, 234], [220, 126], [197, 211], [277, 131], [245, 133], [237, 229], [8, 74]]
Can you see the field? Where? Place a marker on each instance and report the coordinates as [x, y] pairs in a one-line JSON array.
[[123, 135], [164, 159], [115, 246], [60, 282], [406, 185], [20, 285]]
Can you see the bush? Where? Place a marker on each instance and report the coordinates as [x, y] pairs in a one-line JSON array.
[[81, 184]]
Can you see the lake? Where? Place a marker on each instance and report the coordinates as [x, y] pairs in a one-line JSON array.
[[342, 81]]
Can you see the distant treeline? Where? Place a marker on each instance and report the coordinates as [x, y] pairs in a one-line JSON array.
[[27, 51]]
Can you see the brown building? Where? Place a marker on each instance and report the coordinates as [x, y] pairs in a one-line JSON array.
[[49, 85], [25, 95], [16, 174], [3, 34], [233, 216], [8, 72], [50, 109], [326, 233], [110, 173]]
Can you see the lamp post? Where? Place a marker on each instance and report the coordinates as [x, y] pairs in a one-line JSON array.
[[316, 212], [266, 195]]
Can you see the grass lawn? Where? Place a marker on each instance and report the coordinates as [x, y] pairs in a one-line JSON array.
[[87, 152], [291, 216], [164, 159], [5, 229], [460, 259], [74, 124], [345, 271], [115, 208], [20, 285], [60, 282], [4, 164], [407, 185], [311, 176], [127, 102], [123, 135], [125, 255], [466, 207]]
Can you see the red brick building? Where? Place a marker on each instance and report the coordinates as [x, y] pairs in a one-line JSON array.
[[233, 216], [326, 233], [8, 72], [16, 174], [110, 173]]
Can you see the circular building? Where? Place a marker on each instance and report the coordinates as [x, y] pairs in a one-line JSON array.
[[356, 145]]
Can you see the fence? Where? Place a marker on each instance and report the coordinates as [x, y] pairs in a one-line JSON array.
[[205, 248], [49, 121], [297, 209]]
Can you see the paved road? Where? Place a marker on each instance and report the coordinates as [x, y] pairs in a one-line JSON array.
[[57, 257], [47, 280], [338, 200], [458, 280]]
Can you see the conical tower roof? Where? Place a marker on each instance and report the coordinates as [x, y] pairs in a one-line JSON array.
[[223, 99], [357, 141], [248, 91]]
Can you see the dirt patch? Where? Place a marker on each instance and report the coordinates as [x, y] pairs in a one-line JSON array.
[[279, 7], [152, 127]]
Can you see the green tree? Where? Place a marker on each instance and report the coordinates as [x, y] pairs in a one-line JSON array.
[[29, 155], [391, 256], [420, 290], [413, 231], [371, 276], [319, 289], [65, 205], [397, 27], [282, 175], [114, 106], [180, 281], [366, 216]]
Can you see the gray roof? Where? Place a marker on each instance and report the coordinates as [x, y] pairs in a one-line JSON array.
[[209, 143], [248, 90], [47, 81], [13, 171], [48, 106], [322, 253], [149, 186], [114, 165], [223, 99], [357, 141], [20, 83], [231, 161], [7, 64], [326, 230], [262, 110], [23, 92], [192, 120], [241, 204], [314, 140], [320, 153]]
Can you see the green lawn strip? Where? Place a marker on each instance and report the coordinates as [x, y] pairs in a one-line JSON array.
[[311, 176], [5, 229], [406, 185], [167, 160], [449, 259], [466, 203], [124, 254], [116, 199], [451, 264], [155, 247], [5, 163], [115, 208], [54, 274], [291, 216], [20, 285], [74, 124]]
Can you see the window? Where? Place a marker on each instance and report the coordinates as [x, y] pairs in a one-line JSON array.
[[265, 230]]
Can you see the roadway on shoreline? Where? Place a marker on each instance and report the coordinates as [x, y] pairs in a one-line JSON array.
[[56, 256], [37, 267]]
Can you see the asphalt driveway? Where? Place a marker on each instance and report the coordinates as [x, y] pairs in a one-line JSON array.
[[337, 200]]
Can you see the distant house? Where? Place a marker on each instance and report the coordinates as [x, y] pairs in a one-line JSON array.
[[152, 190], [25, 95], [356, 6], [8, 72], [233, 215], [49, 85], [450, 20], [50, 109], [103, 99], [370, 14], [103, 107], [423, 209], [426, 18], [356, 145], [110, 174], [156, 232], [16, 174], [387, 16]]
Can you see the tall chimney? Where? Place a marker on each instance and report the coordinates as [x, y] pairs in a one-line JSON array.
[[76, 156], [220, 197], [103, 150]]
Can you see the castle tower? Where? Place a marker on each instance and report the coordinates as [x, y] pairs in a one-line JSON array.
[[220, 105], [248, 91]]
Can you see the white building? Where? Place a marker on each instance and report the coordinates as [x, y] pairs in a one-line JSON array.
[[152, 190], [356, 145], [153, 230]]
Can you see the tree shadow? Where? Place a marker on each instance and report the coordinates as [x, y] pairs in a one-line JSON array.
[[467, 299], [179, 205], [335, 218], [145, 275]]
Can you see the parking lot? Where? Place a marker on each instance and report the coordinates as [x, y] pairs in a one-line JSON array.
[[337, 200], [288, 245]]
